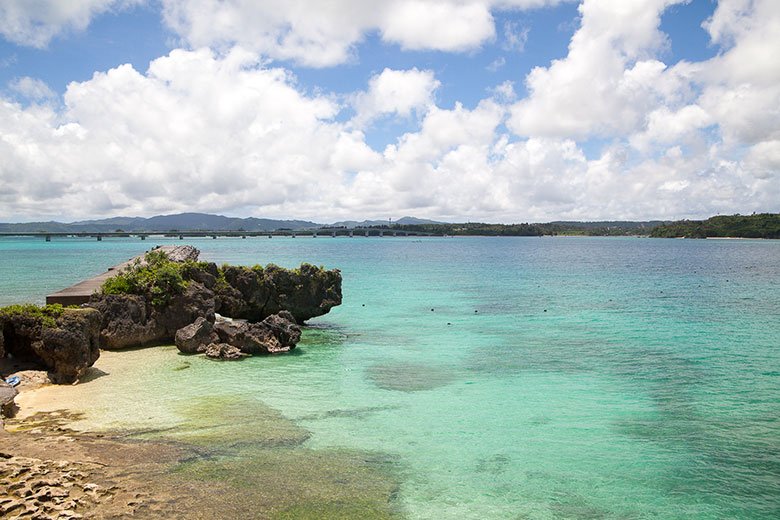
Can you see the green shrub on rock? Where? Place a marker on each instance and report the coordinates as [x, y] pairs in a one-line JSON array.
[[157, 278]]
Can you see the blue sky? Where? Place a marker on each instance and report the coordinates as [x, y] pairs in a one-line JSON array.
[[497, 110]]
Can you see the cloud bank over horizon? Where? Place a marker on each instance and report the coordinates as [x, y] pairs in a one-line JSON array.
[[619, 127]]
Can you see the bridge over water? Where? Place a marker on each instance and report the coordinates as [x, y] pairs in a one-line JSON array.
[[181, 235]]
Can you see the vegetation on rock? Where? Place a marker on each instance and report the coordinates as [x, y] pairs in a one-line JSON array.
[[157, 278], [764, 225], [46, 315]]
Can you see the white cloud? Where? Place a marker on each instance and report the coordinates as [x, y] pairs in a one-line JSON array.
[[321, 34], [219, 130], [439, 25], [395, 92], [609, 79], [35, 23], [31, 88]]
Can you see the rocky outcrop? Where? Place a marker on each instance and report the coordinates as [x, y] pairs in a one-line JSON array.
[[272, 298], [129, 320], [275, 334], [66, 342], [126, 321], [256, 293]]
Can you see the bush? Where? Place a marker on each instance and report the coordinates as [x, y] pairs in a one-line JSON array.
[[157, 278], [47, 314]]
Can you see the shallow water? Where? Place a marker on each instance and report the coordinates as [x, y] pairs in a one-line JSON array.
[[492, 377]]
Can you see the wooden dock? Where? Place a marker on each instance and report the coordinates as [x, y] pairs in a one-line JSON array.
[[80, 293]]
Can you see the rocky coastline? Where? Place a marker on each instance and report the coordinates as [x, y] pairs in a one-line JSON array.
[[225, 312], [221, 312]]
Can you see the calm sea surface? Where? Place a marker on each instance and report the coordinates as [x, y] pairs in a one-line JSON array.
[[493, 377]]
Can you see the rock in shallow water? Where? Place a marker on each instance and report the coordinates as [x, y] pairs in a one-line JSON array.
[[223, 351], [195, 337]]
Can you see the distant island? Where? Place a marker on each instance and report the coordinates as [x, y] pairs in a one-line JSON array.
[[764, 225]]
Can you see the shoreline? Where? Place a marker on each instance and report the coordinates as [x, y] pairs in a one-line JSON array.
[[60, 458]]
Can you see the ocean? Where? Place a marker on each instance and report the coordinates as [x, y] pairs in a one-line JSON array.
[[473, 377]]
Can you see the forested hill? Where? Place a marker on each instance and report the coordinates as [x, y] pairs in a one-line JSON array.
[[552, 228], [764, 225]]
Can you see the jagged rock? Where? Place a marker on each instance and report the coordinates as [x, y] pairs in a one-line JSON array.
[[195, 302], [283, 327], [66, 346], [275, 334], [223, 351], [126, 321], [130, 320], [195, 337], [71, 347], [256, 293]]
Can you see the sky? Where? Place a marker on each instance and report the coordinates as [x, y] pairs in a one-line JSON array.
[[325, 110]]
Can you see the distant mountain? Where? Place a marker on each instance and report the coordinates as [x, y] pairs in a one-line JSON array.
[[162, 223], [403, 221]]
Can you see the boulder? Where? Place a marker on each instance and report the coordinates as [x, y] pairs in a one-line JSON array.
[[223, 351], [66, 345], [278, 333], [195, 337], [282, 325]]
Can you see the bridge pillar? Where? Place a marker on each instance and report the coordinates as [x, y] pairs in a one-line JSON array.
[[351, 234]]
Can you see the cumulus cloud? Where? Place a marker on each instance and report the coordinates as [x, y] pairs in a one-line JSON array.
[[609, 79], [322, 34], [221, 130], [35, 23], [395, 92]]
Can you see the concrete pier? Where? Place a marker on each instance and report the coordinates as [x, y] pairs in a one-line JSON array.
[[80, 293]]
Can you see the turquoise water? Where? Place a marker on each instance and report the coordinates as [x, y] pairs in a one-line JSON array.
[[504, 377]]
